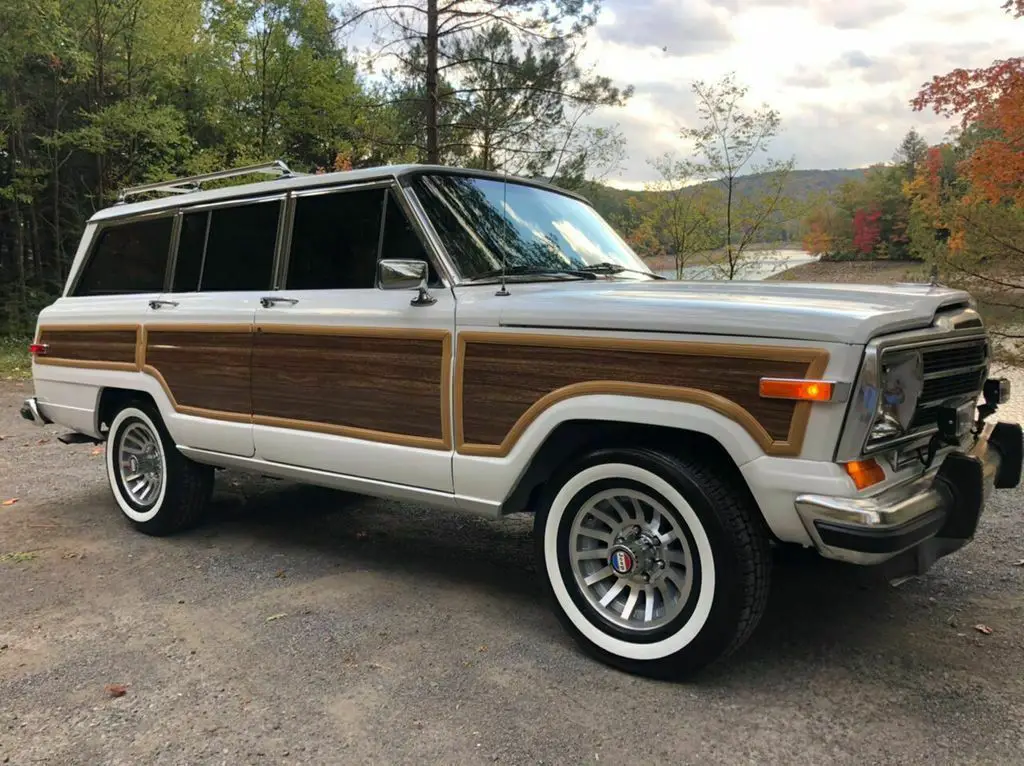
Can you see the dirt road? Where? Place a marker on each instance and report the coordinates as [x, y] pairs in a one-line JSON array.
[[298, 626]]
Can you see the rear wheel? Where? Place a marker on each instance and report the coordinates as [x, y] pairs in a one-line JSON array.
[[158, 489], [655, 563]]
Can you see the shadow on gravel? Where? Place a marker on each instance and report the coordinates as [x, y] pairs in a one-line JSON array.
[[817, 610], [379, 535]]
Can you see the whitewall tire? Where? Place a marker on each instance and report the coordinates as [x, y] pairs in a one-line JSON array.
[[158, 489], [656, 565]]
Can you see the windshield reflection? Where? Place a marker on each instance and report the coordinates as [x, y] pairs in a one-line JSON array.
[[538, 230]]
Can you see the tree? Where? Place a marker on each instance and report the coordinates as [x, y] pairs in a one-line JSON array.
[[911, 152], [681, 222], [494, 72], [973, 193], [729, 141], [819, 227], [867, 232]]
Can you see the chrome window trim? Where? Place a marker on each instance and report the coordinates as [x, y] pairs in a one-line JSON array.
[[853, 438], [102, 226], [413, 208], [391, 188], [234, 202], [172, 254]]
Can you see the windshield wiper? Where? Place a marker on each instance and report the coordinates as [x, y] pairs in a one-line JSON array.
[[517, 271], [607, 267]]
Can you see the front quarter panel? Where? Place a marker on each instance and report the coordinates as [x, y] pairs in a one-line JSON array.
[[682, 385]]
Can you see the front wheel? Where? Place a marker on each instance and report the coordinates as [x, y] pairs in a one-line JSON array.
[[657, 566], [158, 489]]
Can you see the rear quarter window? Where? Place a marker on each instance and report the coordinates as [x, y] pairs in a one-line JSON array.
[[127, 258]]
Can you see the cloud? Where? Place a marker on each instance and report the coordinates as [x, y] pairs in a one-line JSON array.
[[857, 14], [857, 60], [682, 27], [807, 78]]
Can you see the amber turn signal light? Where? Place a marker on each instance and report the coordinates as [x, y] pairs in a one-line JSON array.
[[865, 473], [801, 390]]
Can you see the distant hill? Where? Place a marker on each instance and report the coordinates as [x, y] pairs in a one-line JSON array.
[[612, 202]]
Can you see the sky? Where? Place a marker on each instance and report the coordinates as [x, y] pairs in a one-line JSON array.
[[840, 72]]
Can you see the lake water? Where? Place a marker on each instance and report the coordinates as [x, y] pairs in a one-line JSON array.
[[754, 265]]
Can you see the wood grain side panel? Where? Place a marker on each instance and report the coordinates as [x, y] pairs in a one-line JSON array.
[[370, 383], [98, 345], [501, 385], [203, 369]]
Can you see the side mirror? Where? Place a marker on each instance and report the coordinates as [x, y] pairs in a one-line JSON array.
[[396, 274]]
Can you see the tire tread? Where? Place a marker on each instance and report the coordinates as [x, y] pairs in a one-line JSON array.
[[189, 484], [744, 529]]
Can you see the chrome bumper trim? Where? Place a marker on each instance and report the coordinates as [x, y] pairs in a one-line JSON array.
[[897, 518], [30, 411]]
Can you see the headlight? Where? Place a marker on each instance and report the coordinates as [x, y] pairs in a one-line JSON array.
[[901, 381]]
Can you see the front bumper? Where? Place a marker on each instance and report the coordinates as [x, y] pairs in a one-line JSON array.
[[940, 508]]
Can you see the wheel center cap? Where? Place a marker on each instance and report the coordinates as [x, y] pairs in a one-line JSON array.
[[622, 561]]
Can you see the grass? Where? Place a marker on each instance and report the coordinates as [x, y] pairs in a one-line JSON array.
[[14, 359], [18, 557]]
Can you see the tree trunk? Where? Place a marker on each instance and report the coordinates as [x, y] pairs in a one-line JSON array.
[[21, 314], [728, 230], [433, 102]]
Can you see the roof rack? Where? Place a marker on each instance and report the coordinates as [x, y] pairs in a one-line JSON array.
[[195, 183]]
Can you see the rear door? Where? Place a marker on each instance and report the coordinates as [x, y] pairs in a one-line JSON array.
[[349, 378], [199, 338]]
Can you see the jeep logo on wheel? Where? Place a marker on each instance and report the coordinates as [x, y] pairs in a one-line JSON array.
[[622, 562]]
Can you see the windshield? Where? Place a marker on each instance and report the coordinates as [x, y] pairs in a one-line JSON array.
[[540, 230]]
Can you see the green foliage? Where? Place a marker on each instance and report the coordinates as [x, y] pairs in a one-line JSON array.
[[96, 95], [522, 94], [14, 358]]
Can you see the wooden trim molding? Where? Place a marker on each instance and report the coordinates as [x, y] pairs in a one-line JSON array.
[[90, 346], [204, 370], [397, 385], [396, 381], [500, 391]]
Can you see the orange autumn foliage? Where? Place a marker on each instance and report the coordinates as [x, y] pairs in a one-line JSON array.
[[991, 98], [817, 240]]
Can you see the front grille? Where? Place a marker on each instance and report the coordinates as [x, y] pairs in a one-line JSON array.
[[953, 374]]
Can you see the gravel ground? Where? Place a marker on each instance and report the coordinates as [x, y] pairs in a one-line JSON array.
[[301, 626]]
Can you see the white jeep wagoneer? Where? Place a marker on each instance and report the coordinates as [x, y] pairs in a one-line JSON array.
[[490, 345]]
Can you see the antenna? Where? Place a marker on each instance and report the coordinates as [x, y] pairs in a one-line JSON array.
[[504, 214]]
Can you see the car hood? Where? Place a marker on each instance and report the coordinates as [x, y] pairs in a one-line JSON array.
[[841, 313]]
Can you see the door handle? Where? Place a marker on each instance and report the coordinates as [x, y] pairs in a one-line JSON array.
[[155, 304], [269, 300]]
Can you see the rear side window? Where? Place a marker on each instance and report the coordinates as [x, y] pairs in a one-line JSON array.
[[335, 239], [240, 248], [128, 258]]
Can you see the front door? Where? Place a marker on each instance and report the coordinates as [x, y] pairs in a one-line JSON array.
[[346, 377]]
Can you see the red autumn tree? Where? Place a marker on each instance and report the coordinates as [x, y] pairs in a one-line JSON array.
[[867, 231]]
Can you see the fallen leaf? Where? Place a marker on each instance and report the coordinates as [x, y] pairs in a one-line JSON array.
[[10, 501], [482, 648], [116, 690], [97, 451], [42, 441], [273, 617], [983, 629], [280, 574]]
